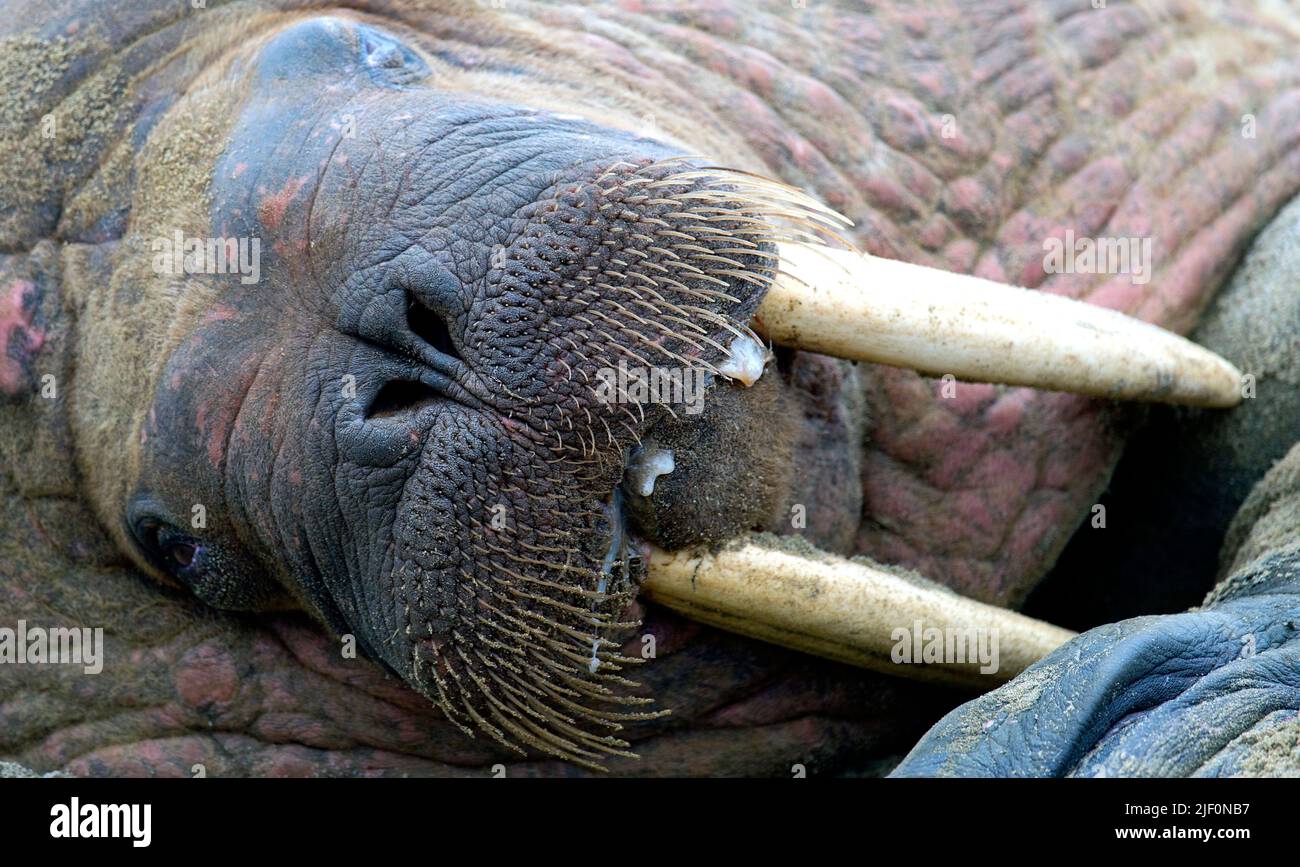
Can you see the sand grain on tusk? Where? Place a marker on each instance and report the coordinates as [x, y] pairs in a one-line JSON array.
[[819, 603], [839, 302]]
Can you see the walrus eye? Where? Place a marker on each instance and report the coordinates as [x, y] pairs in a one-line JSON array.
[[182, 553], [171, 549]]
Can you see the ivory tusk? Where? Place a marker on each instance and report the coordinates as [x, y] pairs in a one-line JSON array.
[[839, 302], [843, 610]]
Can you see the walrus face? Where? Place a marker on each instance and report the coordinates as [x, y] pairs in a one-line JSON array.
[[405, 421], [402, 424]]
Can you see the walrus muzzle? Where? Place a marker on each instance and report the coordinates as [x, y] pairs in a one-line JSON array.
[[825, 297], [836, 301], [520, 639]]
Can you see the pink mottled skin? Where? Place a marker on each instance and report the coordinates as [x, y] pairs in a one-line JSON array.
[[19, 339], [959, 136], [1058, 117]]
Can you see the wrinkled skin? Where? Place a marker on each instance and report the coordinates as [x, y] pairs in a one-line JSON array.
[[216, 393], [1214, 691], [1161, 553], [1172, 695]]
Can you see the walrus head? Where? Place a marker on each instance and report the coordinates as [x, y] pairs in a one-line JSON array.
[[401, 418]]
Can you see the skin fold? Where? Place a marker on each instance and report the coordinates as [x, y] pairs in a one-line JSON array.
[[1209, 692], [396, 157], [1163, 555], [1212, 692]]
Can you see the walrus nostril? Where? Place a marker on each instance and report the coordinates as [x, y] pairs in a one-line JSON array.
[[401, 396], [431, 328]]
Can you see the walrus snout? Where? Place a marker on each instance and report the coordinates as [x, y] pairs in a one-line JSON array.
[[511, 565]]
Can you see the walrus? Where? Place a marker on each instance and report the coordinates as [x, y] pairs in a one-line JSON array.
[[464, 215]]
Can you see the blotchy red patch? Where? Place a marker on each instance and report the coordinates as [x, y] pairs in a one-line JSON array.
[[272, 208], [206, 677], [19, 339]]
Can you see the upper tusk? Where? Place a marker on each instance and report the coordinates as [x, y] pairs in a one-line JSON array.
[[844, 610], [840, 302]]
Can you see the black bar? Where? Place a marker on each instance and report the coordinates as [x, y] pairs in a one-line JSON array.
[[561, 818]]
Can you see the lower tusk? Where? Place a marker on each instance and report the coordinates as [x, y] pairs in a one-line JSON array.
[[839, 302], [844, 610]]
